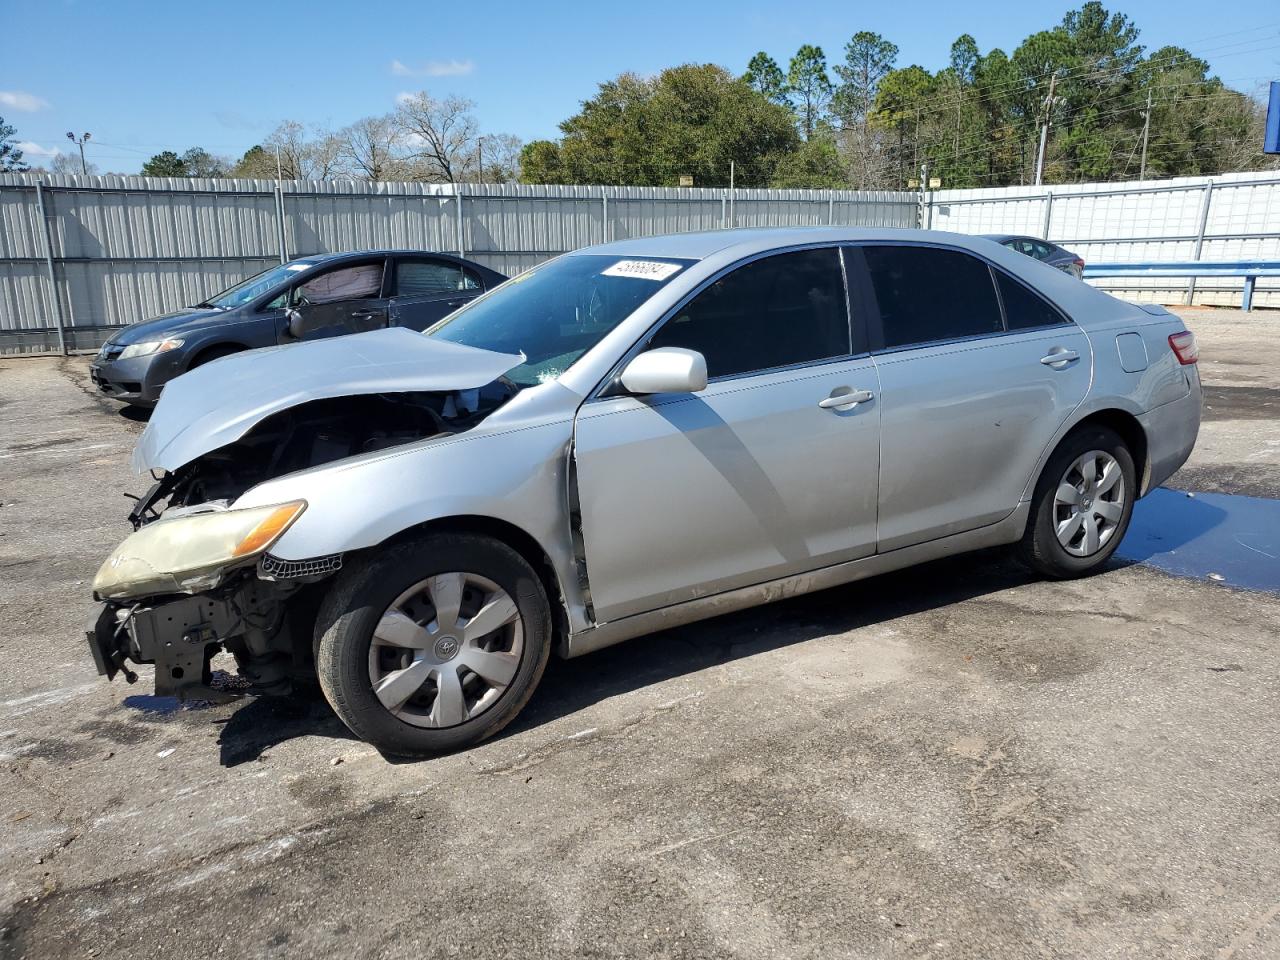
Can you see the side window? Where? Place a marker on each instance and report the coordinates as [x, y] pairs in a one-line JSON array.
[[1024, 309], [424, 278], [358, 282], [926, 294], [1043, 252], [781, 310]]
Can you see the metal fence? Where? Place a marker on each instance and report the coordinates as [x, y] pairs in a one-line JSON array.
[[81, 255], [1229, 217]]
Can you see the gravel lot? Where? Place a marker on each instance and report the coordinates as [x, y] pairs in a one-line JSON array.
[[955, 761]]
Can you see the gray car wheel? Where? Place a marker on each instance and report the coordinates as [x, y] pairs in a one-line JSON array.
[[1081, 506], [433, 644]]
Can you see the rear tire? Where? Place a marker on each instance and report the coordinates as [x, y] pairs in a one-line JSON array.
[[433, 644], [1081, 507]]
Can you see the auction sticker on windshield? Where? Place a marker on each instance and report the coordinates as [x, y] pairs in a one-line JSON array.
[[642, 269]]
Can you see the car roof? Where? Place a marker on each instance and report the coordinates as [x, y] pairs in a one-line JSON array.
[[746, 242], [355, 254]]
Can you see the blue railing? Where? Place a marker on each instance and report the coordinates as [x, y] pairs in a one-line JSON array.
[[1250, 270]]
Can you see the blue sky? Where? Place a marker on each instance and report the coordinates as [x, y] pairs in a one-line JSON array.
[[147, 77]]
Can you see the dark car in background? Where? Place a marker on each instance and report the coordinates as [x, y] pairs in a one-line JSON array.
[[1042, 250], [310, 298]]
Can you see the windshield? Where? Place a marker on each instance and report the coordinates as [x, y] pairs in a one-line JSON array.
[[555, 313], [257, 285]]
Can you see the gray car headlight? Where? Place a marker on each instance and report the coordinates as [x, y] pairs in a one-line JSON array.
[[190, 553], [148, 347]]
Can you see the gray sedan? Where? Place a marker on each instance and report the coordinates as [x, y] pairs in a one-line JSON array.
[[626, 438], [308, 299], [1055, 256]]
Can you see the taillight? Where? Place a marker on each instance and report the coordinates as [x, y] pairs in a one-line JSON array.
[[1184, 347], [1078, 262]]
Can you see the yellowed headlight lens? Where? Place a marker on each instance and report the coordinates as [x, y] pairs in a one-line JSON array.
[[189, 553]]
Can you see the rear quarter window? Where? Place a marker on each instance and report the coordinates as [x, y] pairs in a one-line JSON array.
[[926, 294]]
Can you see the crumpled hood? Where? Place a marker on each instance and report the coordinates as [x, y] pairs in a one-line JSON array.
[[219, 402]]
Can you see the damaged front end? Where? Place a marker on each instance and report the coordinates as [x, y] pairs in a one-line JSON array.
[[196, 576]]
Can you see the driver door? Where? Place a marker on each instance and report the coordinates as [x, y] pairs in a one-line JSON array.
[[753, 478], [348, 298]]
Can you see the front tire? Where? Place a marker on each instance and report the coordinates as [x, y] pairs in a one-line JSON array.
[[1081, 506], [434, 644]]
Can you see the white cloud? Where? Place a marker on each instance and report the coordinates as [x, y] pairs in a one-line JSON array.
[[19, 100], [33, 151], [404, 96], [433, 68]]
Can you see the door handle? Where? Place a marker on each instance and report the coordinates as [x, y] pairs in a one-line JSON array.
[[838, 401], [1058, 356], [361, 314]]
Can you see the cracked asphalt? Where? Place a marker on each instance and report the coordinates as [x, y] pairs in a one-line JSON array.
[[954, 761]]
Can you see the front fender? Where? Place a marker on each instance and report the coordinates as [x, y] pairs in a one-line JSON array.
[[515, 475]]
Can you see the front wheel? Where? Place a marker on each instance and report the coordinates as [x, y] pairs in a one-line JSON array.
[[1081, 506], [434, 644]]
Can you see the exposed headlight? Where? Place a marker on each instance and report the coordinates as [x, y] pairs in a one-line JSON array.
[[190, 553], [149, 347]]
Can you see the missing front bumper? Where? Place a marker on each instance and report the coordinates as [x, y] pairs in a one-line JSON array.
[[182, 635]]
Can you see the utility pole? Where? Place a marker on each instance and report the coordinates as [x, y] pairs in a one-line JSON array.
[[733, 217], [279, 171], [84, 167], [479, 159], [1146, 131], [1044, 130]]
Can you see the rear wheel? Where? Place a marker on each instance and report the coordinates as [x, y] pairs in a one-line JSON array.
[[435, 644], [1081, 506]]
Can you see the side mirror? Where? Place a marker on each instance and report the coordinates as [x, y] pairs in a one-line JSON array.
[[666, 370], [296, 328]]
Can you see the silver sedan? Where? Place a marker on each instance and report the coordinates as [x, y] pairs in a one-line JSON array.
[[629, 437]]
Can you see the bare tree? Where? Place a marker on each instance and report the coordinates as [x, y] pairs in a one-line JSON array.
[[371, 147], [497, 158], [440, 135], [305, 155], [70, 163]]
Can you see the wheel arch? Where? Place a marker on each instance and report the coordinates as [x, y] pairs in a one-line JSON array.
[[1131, 432], [1123, 421], [518, 539], [218, 346]]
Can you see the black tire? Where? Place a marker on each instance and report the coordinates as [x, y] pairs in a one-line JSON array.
[[214, 353], [364, 591], [1040, 549]]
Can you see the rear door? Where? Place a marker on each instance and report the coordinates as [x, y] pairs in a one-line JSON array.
[[426, 289], [347, 298], [977, 373], [753, 478]]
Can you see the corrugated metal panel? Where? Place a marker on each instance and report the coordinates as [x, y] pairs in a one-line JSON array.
[[126, 248]]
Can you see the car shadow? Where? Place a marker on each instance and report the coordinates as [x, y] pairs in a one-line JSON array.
[[136, 414], [264, 722], [572, 685]]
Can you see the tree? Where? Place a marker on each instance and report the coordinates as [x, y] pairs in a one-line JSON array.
[[256, 163], [198, 162], [10, 156], [70, 163], [498, 158], [164, 164], [764, 74], [808, 82], [639, 131], [540, 162], [814, 165], [868, 58], [371, 147], [440, 135]]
